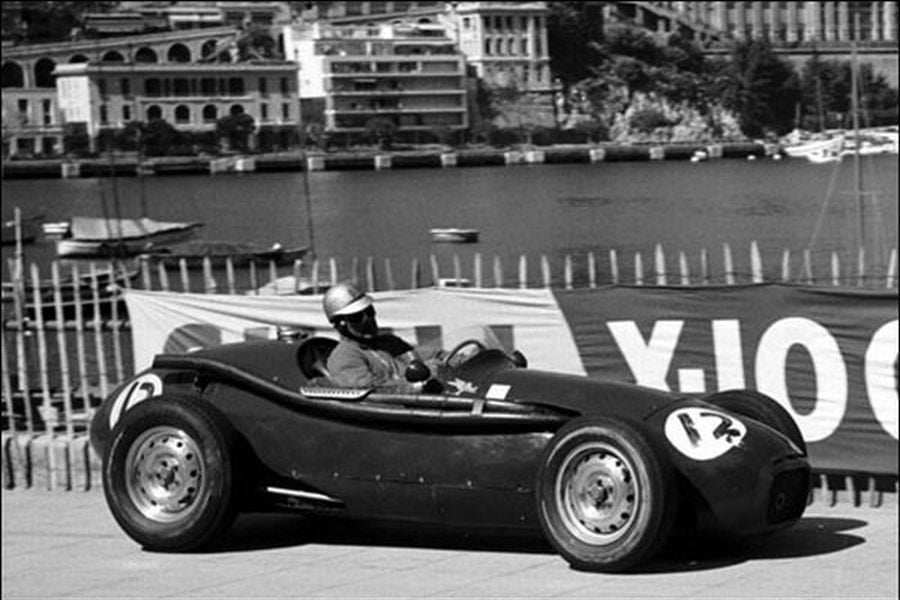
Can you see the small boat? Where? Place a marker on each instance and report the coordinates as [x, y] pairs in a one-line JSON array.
[[454, 235], [56, 229], [823, 150], [99, 237], [218, 253]]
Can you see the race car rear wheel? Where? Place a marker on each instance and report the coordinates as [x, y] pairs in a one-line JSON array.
[[170, 475], [605, 499], [762, 408]]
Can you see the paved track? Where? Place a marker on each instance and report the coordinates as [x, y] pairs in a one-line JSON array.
[[66, 545]]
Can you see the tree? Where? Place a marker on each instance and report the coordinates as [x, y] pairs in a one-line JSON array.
[[256, 43], [760, 88], [236, 131], [574, 32], [159, 137], [381, 131]]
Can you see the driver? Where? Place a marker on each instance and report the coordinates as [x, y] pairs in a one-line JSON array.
[[364, 357]]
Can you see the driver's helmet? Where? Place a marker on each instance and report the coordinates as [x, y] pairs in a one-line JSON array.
[[344, 299]]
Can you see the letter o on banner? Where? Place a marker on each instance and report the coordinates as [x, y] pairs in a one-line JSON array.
[[828, 364], [881, 382]]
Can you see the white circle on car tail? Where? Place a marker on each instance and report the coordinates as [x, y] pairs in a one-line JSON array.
[[703, 433], [143, 387]]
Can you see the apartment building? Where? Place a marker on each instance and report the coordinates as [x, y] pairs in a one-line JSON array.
[[408, 73]]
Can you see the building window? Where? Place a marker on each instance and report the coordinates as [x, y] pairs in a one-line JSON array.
[[23, 111], [467, 23], [264, 112], [153, 113], [487, 47], [263, 87], [152, 87], [285, 111], [236, 109], [285, 88], [210, 113], [182, 114], [126, 113], [48, 112], [104, 114], [101, 86], [181, 87], [208, 86], [125, 86], [235, 86], [524, 47]]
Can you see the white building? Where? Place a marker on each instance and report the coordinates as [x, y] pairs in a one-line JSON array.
[[409, 74]]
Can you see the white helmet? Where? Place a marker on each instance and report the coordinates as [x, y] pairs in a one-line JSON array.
[[344, 299]]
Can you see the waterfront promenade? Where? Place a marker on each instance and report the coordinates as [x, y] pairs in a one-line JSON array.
[[66, 545]]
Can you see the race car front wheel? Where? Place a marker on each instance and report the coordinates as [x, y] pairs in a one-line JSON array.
[[170, 476], [762, 408], [605, 500]]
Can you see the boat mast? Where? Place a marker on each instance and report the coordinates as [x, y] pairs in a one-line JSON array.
[[304, 160], [857, 171]]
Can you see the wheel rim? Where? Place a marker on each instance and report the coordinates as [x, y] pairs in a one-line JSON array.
[[164, 474], [598, 492]]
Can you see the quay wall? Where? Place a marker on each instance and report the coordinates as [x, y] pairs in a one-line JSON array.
[[372, 160]]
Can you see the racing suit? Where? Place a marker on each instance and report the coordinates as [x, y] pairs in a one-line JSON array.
[[380, 362]]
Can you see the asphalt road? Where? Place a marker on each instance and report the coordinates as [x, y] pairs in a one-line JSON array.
[[66, 545]]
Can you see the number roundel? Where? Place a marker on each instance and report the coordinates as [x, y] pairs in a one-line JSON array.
[[702, 433], [142, 387]]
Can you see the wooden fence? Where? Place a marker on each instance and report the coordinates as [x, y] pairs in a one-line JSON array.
[[66, 341]]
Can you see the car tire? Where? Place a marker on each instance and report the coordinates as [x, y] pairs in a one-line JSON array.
[[606, 500], [170, 476], [762, 408]]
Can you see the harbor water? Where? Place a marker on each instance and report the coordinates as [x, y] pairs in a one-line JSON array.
[[552, 210]]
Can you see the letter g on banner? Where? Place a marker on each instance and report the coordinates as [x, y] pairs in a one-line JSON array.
[[881, 376], [828, 366]]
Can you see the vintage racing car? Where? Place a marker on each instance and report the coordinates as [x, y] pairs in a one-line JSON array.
[[605, 470]]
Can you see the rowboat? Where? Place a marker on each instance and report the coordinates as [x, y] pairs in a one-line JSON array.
[[453, 235], [218, 253]]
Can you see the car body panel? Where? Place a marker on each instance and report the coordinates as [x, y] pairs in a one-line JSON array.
[[468, 456]]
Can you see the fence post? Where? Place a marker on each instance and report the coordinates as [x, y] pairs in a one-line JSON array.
[[756, 267], [498, 272], [332, 266], [314, 276], [185, 276], [354, 271], [273, 276], [435, 273], [415, 275], [835, 270], [43, 367], [18, 271], [614, 266], [145, 274], [7, 383], [892, 269], [567, 272], [370, 274], [660, 258], [729, 264], [638, 269], [523, 272], [807, 266], [545, 270], [210, 286], [254, 280], [786, 266], [79, 340], [116, 332], [389, 274], [683, 267], [861, 267], [61, 344], [476, 268], [704, 266], [457, 270], [98, 334], [592, 270]]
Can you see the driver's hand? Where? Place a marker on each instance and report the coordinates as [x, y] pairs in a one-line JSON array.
[[433, 386]]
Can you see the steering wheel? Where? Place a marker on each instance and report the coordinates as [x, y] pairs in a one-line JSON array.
[[455, 357]]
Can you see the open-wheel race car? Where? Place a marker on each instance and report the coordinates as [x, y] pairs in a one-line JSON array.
[[606, 471]]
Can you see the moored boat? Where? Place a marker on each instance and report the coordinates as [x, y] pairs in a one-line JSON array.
[[99, 237], [454, 235], [194, 254]]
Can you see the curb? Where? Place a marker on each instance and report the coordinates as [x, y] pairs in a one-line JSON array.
[[49, 462]]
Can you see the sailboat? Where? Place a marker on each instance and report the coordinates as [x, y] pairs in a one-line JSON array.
[[866, 238], [108, 237]]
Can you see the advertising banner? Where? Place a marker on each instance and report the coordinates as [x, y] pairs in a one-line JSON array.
[[828, 356]]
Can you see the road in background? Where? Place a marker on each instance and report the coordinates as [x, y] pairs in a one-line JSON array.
[[67, 545]]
